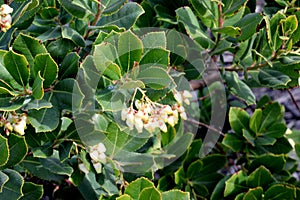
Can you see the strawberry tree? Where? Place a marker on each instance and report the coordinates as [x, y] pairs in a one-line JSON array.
[[116, 99]]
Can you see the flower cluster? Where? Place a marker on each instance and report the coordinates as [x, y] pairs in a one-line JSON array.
[[151, 115], [14, 122], [97, 152], [5, 17]]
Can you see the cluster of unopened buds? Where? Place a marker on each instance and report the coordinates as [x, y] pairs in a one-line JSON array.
[[152, 116], [14, 122], [5, 17]]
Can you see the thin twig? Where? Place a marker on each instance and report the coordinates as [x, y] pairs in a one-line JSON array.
[[294, 100], [206, 126]]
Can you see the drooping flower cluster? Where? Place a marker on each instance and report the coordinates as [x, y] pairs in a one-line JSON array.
[[14, 122], [5, 17], [151, 115]]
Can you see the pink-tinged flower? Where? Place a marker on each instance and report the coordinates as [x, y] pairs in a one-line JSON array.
[[183, 116], [172, 120], [83, 168], [124, 114], [138, 124], [178, 97], [142, 115], [150, 127], [167, 109], [139, 104], [162, 126], [20, 127], [8, 126], [97, 166], [97, 152], [6, 9], [130, 120]]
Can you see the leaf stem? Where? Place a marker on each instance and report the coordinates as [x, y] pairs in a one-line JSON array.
[[220, 23], [206, 126], [294, 100]]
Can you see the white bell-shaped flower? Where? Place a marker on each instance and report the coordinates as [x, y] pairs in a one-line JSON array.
[[6, 9]]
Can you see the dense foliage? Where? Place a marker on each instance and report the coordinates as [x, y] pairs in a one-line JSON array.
[[96, 99]]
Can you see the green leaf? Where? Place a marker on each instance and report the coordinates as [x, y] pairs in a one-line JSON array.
[[274, 163], [276, 130], [104, 57], [69, 66], [130, 49], [24, 14], [249, 137], [37, 104], [156, 57], [125, 17], [124, 197], [213, 163], [55, 166], [49, 12], [17, 150], [153, 40], [248, 25], [238, 119], [7, 104], [65, 150], [48, 68], [234, 141], [218, 191], [272, 113], [207, 11], [155, 77], [254, 193], [4, 149], [136, 187], [17, 65], [29, 47], [290, 25], [50, 34], [32, 191], [255, 120], [42, 151], [76, 8], [229, 30], [5, 76], [67, 93], [150, 193], [3, 179], [119, 142], [175, 194], [260, 177], [235, 184], [194, 168], [37, 87], [239, 88], [45, 119], [273, 78], [279, 192], [12, 189], [73, 35], [111, 6], [34, 166], [186, 16], [231, 6], [60, 48]]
